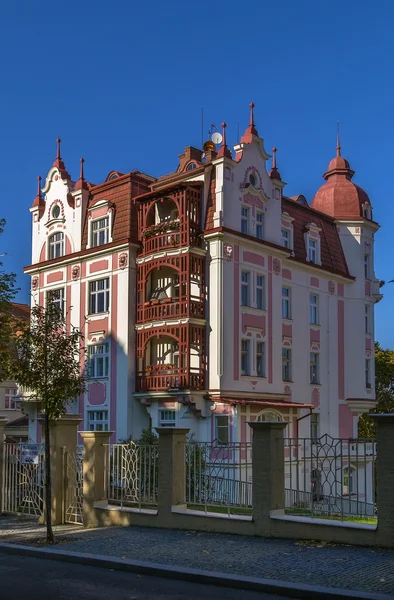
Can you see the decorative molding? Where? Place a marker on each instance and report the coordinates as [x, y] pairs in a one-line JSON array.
[[123, 260], [34, 283], [276, 266], [331, 287], [75, 272], [228, 251]]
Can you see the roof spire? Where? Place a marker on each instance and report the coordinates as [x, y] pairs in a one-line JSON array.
[[338, 141], [274, 173], [223, 150], [59, 164], [251, 130], [81, 183], [38, 200]]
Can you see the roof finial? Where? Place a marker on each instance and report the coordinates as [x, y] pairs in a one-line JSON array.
[[338, 141], [274, 173], [251, 129], [58, 157], [223, 150], [59, 164], [38, 200], [81, 183]]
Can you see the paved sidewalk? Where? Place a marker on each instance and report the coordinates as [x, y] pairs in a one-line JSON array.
[[312, 563]]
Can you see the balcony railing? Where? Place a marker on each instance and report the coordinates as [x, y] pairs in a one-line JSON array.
[[169, 235], [169, 308], [167, 377]]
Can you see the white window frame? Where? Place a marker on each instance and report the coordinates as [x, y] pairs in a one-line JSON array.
[[349, 475], [245, 352], [222, 424], [260, 285], [367, 266], [315, 425], [10, 398], [312, 250], [59, 302], [98, 365], [95, 234], [245, 219], [314, 368], [260, 352], [286, 364], [313, 235], [313, 309], [105, 291], [286, 238], [368, 378], [286, 301], [260, 225], [98, 420], [367, 318], [56, 248], [167, 417], [245, 285]]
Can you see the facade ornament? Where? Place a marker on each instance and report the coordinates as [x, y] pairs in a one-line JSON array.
[[123, 258], [34, 284], [331, 287], [276, 267], [75, 272], [228, 251]]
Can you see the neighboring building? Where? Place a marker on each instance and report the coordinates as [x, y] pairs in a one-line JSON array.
[[208, 298], [10, 406]]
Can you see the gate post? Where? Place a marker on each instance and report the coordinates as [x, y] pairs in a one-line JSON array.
[[3, 422], [94, 472], [63, 433]]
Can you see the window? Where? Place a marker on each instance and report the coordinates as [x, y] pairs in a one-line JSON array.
[[366, 266], [349, 476], [286, 364], [260, 359], [368, 372], [245, 357], [98, 360], [56, 212], [367, 321], [57, 298], [244, 288], [167, 418], [313, 309], [252, 180], [314, 367], [222, 429], [260, 225], [286, 303], [97, 420], [10, 398], [99, 296], [312, 251], [100, 232], [260, 292], [244, 219], [315, 426], [56, 245], [285, 238]]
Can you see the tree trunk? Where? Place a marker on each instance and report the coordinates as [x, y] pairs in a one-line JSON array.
[[48, 489]]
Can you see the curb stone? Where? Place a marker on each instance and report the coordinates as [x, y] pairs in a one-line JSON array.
[[281, 588]]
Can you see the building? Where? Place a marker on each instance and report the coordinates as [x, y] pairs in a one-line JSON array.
[[10, 406], [208, 298]]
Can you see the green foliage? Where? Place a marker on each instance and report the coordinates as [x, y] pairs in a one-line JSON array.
[[384, 383], [7, 295], [49, 363]]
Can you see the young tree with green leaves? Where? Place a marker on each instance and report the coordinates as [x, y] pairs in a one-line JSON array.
[[384, 384], [51, 367], [7, 295]]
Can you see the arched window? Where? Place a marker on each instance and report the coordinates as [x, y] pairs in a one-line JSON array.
[[269, 415], [56, 245]]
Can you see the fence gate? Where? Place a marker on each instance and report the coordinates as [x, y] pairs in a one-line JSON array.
[[73, 486], [23, 485]]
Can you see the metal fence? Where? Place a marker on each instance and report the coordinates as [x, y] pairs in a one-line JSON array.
[[330, 477], [23, 485], [131, 474], [219, 475]]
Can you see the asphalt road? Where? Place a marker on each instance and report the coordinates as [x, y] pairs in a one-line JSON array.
[[41, 579]]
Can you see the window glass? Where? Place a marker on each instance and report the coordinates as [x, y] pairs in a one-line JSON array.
[[260, 225], [98, 360], [245, 357], [222, 429], [286, 303], [56, 245], [100, 232], [260, 359], [99, 296]]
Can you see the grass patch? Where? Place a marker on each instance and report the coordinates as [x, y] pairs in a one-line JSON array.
[[307, 513], [223, 510]]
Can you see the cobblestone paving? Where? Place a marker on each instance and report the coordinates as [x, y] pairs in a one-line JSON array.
[[348, 567]]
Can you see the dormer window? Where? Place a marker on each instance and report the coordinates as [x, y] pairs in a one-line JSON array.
[[253, 180], [56, 212], [191, 166], [286, 231], [312, 251], [100, 232], [56, 245], [312, 244]]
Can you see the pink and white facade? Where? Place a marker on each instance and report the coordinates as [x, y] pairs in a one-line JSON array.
[[208, 298]]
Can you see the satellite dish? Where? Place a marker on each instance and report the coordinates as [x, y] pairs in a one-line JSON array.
[[216, 138]]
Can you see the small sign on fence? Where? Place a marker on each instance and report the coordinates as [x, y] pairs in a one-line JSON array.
[[30, 454]]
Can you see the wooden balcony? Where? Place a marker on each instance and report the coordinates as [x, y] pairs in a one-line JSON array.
[[170, 308], [168, 377], [169, 235]]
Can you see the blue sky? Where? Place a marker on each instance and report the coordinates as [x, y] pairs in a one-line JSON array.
[[122, 84]]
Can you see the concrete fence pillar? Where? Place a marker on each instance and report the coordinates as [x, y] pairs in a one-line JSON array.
[[385, 474], [62, 434], [172, 468], [3, 423], [268, 471], [96, 454]]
